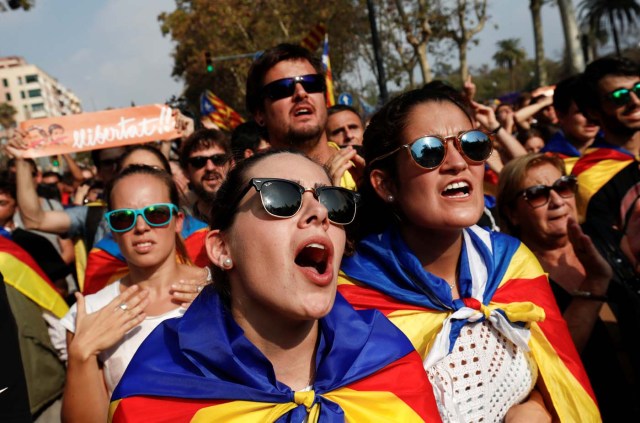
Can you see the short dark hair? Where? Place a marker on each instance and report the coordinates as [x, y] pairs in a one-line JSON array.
[[342, 108], [246, 135], [565, 92], [145, 147], [51, 173], [203, 139], [266, 61], [9, 188], [32, 163], [588, 97]]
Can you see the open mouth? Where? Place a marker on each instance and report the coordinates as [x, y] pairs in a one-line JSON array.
[[313, 256], [302, 111], [457, 190]]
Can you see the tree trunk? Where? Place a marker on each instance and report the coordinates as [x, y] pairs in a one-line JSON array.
[[541, 70], [424, 64], [464, 66], [616, 42], [571, 36]]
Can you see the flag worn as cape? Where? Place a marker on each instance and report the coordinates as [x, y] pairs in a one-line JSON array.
[[201, 368], [106, 264], [218, 112], [500, 281], [330, 98], [597, 167], [24, 274]]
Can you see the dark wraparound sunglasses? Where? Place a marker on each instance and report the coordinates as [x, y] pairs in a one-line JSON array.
[[622, 96], [283, 88], [283, 198], [538, 195], [430, 151], [199, 162], [123, 220]]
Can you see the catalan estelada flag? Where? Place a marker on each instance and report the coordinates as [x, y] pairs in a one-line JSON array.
[[201, 368], [23, 273], [216, 110], [604, 165], [328, 75], [106, 264], [313, 39], [500, 282]]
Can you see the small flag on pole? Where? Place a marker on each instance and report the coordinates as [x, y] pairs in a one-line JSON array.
[[327, 68], [214, 109], [314, 38]]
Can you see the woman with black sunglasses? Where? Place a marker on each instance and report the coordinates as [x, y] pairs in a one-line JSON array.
[[270, 341], [536, 203], [475, 304], [106, 328]]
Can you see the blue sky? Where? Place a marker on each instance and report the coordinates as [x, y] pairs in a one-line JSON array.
[[112, 52]]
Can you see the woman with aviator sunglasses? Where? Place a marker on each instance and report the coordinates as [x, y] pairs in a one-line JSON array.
[[270, 340], [536, 203], [106, 328], [475, 304]]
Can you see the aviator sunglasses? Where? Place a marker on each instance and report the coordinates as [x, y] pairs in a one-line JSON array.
[[622, 96], [123, 220], [430, 151], [283, 198], [283, 88], [538, 195], [199, 162]]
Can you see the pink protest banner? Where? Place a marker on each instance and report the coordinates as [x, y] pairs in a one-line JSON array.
[[92, 131]]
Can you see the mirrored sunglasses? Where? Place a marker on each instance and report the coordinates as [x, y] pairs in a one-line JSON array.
[[538, 195], [283, 88], [622, 96], [123, 220], [198, 162]]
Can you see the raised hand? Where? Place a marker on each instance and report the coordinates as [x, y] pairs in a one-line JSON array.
[[345, 159]]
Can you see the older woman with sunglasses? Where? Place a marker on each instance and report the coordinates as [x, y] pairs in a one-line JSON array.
[[106, 328], [536, 203], [475, 304], [270, 341]]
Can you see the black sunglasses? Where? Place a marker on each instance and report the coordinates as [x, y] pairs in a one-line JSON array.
[[123, 220], [199, 162], [538, 195], [283, 88], [622, 96], [430, 151], [283, 198]]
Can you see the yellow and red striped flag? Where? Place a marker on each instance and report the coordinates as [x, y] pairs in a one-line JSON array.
[[217, 111], [314, 38], [327, 69]]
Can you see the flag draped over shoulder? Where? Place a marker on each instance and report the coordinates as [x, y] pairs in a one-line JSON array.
[[23, 273], [500, 281], [313, 39], [217, 111], [328, 75], [201, 368], [106, 264]]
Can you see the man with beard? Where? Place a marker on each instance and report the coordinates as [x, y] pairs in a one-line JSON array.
[[286, 95], [205, 158], [608, 187]]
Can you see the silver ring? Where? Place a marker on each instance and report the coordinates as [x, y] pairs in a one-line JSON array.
[[123, 306], [199, 288]]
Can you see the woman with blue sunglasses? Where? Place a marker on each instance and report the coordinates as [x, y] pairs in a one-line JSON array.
[[475, 304], [106, 328]]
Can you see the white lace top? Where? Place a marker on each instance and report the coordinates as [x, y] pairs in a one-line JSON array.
[[484, 376]]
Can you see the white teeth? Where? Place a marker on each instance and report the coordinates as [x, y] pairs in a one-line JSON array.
[[142, 244], [456, 185], [301, 111], [314, 245]]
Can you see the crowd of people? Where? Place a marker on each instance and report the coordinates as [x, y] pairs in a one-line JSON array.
[[446, 260]]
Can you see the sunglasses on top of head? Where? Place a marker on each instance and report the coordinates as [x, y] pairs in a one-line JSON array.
[[285, 87], [199, 162], [622, 96], [283, 198], [538, 195], [429, 151], [123, 220]]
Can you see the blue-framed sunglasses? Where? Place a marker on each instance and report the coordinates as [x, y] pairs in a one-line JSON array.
[[123, 220], [285, 87]]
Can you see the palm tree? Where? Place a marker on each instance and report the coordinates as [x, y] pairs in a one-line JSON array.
[[614, 13], [541, 71], [509, 55], [7, 113], [571, 36]]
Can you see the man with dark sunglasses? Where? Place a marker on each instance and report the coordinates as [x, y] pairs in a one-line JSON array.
[[286, 95], [205, 158], [608, 180]]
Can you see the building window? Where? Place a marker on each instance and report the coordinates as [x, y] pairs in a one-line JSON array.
[[5, 82], [31, 78], [8, 96], [37, 107], [35, 93], [23, 95]]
